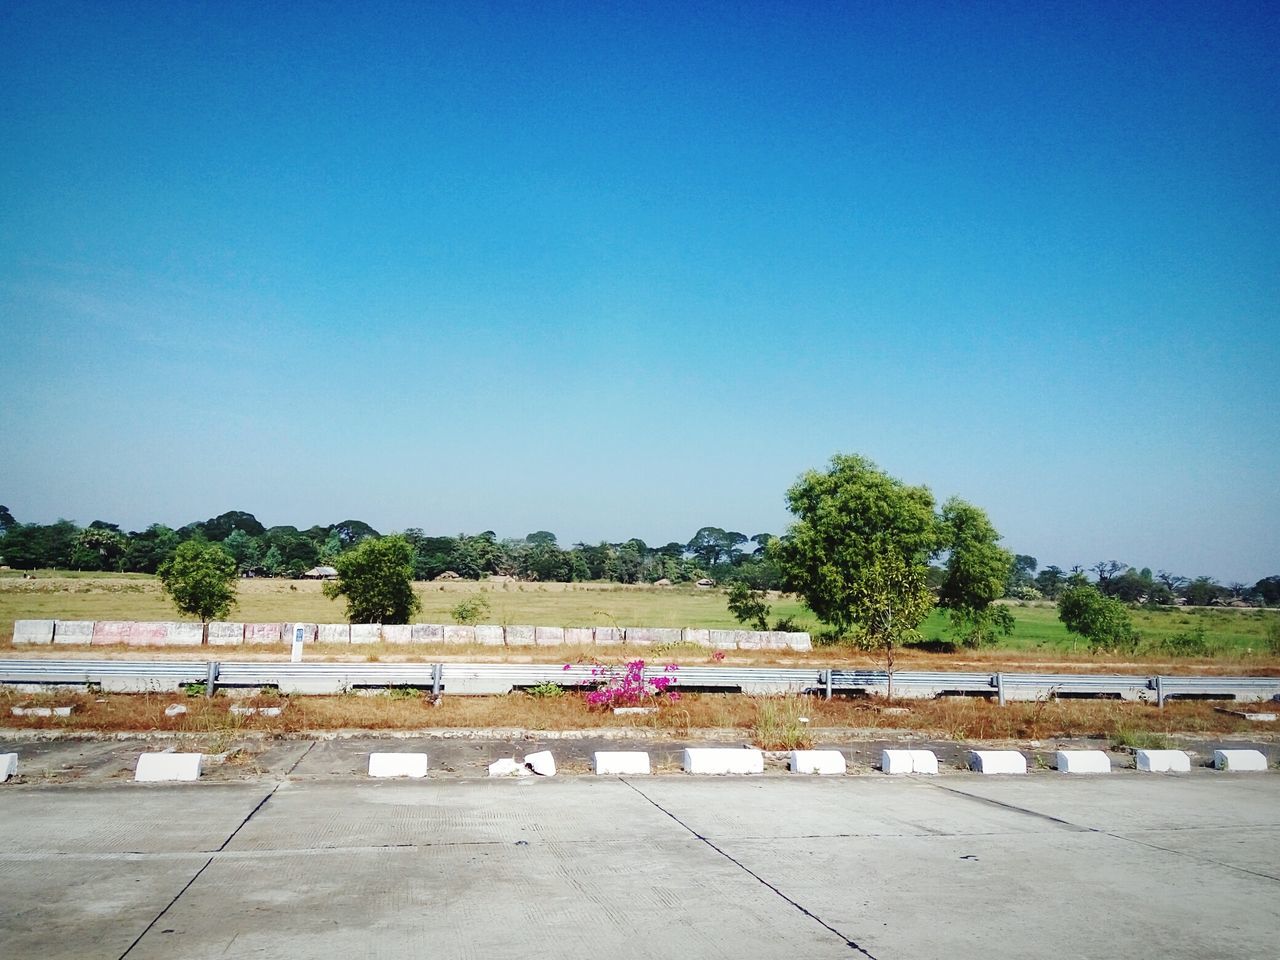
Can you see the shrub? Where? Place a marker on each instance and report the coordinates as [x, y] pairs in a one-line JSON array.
[[1192, 643], [628, 686], [470, 611], [547, 691], [781, 723]]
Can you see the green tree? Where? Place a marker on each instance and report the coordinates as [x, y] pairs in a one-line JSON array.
[[858, 551], [978, 571], [376, 577], [1103, 621], [748, 606], [200, 579]]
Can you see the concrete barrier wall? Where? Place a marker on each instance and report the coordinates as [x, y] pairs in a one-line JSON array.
[[186, 633]]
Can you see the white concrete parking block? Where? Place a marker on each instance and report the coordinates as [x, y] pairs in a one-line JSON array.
[[1163, 761], [8, 766], [722, 760], [620, 763], [1240, 761], [1083, 761], [397, 764], [924, 761], [997, 761], [896, 762], [827, 763], [157, 767], [33, 631]]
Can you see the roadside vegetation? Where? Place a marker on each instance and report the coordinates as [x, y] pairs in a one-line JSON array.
[[771, 722]]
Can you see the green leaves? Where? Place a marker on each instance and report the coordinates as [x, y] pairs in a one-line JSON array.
[[201, 579], [1103, 621], [376, 577]]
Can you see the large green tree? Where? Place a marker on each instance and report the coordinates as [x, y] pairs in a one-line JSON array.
[[978, 571], [376, 577], [200, 579], [1103, 621], [858, 551]]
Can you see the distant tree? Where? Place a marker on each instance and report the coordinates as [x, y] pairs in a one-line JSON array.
[[1021, 574], [748, 606], [1268, 590], [1202, 591], [1103, 621], [541, 538], [200, 579], [376, 577], [273, 564], [1104, 570], [100, 547], [6, 520], [977, 574], [31, 546], [220, 527], [761, 540], [351, 532], [244, 550], [1171, 581], [858, 551], [1050, 580], [712, 545], [145, 550]]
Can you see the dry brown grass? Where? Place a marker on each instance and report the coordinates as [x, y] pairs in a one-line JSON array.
[[948, 718]]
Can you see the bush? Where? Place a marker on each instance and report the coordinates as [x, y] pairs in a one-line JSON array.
[[200, 578], [1103, 621], [470, 611], [1193, 643]]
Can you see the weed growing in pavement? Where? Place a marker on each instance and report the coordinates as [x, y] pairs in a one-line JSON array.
[[782, 723], [1140, 739], [547, 690]]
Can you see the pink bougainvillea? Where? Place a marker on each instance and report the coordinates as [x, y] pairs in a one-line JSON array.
[[627, 685]]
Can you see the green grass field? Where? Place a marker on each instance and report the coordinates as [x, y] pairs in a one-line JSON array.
[[70, 596]]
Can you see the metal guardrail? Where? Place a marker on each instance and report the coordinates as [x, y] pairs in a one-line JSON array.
[[140, 676]]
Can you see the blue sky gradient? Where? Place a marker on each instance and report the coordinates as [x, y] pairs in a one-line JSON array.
[[629, 271]]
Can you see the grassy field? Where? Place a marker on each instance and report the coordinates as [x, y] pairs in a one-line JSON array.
[[1248, 637]]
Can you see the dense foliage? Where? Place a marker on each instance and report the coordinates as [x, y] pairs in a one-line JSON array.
[[725, 556], [376, 577], [200, 578]]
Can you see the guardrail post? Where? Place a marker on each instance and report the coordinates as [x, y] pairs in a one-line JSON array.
[[436, 670], [211, 677], [1160, 691], [826, 679], [1000, 688]]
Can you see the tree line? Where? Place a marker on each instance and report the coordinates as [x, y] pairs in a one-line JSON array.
[[725, 556], [286, 551]]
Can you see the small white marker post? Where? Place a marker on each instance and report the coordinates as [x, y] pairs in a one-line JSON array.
[[295, 656]]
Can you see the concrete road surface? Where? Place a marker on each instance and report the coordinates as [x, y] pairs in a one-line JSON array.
[[1124, 865]]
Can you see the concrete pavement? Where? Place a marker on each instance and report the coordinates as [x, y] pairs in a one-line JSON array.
[[1115, 866]]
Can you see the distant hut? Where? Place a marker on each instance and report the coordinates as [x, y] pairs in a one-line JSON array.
[[664, 582], [320, 573], [448, 575], [705, 584]]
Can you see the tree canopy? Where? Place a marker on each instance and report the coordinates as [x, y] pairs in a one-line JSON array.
[[376, 577], [858, 551], [200, 579]]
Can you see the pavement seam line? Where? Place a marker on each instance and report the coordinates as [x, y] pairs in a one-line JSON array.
[[1074, 827], [852, 944], [1192, 856], [167, 907], [213, 856]]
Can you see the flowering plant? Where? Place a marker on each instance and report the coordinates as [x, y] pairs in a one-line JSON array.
[[627, 686]]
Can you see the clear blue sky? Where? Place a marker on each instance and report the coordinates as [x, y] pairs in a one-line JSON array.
[[627, 270]]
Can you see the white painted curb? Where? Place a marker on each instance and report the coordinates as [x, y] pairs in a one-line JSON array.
[[1240, 761], [722, 760], [620, 763], [398, 765], [1083, 761], [997, 761], [8, 766], [156, 767], [1163, 761], [827, 763]]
